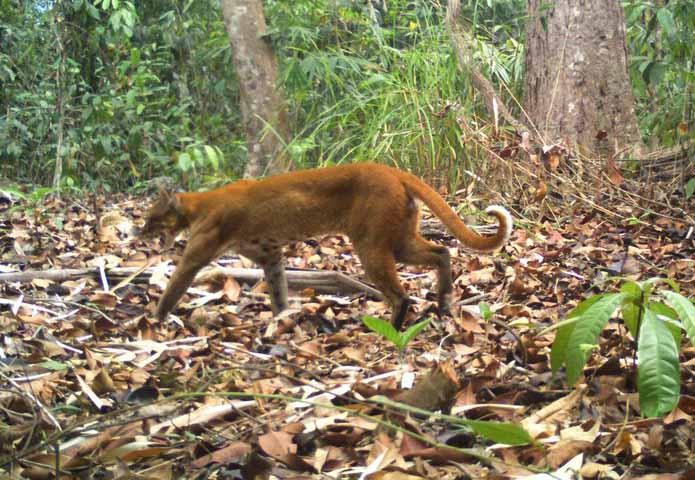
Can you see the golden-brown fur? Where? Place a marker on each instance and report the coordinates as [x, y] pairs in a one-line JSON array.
[[373, 204]]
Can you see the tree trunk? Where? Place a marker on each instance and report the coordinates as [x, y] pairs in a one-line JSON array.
[[262, 105], [60, 102], [577, 85]]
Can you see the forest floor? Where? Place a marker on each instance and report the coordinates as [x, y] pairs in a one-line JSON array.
[[224, 390]]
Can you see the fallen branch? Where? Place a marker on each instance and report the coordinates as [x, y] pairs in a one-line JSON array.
[[321, 281]]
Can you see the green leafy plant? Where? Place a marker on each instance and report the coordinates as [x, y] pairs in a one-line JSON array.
[[197, 156], [654, 318], [31, 200], [386, 330], [661, 66]]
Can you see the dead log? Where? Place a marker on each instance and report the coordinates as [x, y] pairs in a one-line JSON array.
[[321, 281]]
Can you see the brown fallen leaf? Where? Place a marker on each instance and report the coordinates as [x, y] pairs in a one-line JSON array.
[[281, 447], [395, 475], [231, 289], [469, 322], [231, 453], [594, 470], [564, 450], [540, 191]]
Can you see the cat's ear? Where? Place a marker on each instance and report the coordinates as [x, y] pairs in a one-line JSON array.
[[168, 197]]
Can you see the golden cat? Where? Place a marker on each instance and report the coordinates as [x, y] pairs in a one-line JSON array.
[[373, 204]]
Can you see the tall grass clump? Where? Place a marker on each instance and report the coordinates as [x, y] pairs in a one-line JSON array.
[[382, 86]]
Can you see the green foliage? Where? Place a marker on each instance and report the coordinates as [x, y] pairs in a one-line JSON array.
[[131, 83], [140, 89], [658, 376], [54, 365], [366, 84], [386, 330], [690, 188], [585, 333], [485, 311], [656, 325], [684, 309], [662, 68]]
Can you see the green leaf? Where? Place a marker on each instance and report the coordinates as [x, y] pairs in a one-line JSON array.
[[658, 376], [690, 188], [382, 327], [412, 332], [661, 309], [685, 310], [135, 56], [558, 353], [666, 21], [93, 12], [649, 283], [198, 157], [54, 365], [128, 18], [211, 153], [485, 311], [38, 194], [115, 20], [10, 189], [185, 162], [586, 332], [498, 432], [632, 291], [631, 313], [670, 318], [630, 305]]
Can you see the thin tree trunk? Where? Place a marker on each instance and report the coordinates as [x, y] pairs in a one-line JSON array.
[[60, 93], [461, 40], [577, 85], [262, 106]]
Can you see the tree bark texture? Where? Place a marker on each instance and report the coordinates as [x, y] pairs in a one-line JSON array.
[[577, 85], [262, 105]]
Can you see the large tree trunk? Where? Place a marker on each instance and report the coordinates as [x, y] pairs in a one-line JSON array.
[[262, 106], [577, 85]]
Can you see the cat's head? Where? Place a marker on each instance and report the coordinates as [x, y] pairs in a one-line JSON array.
[[165, 215]]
